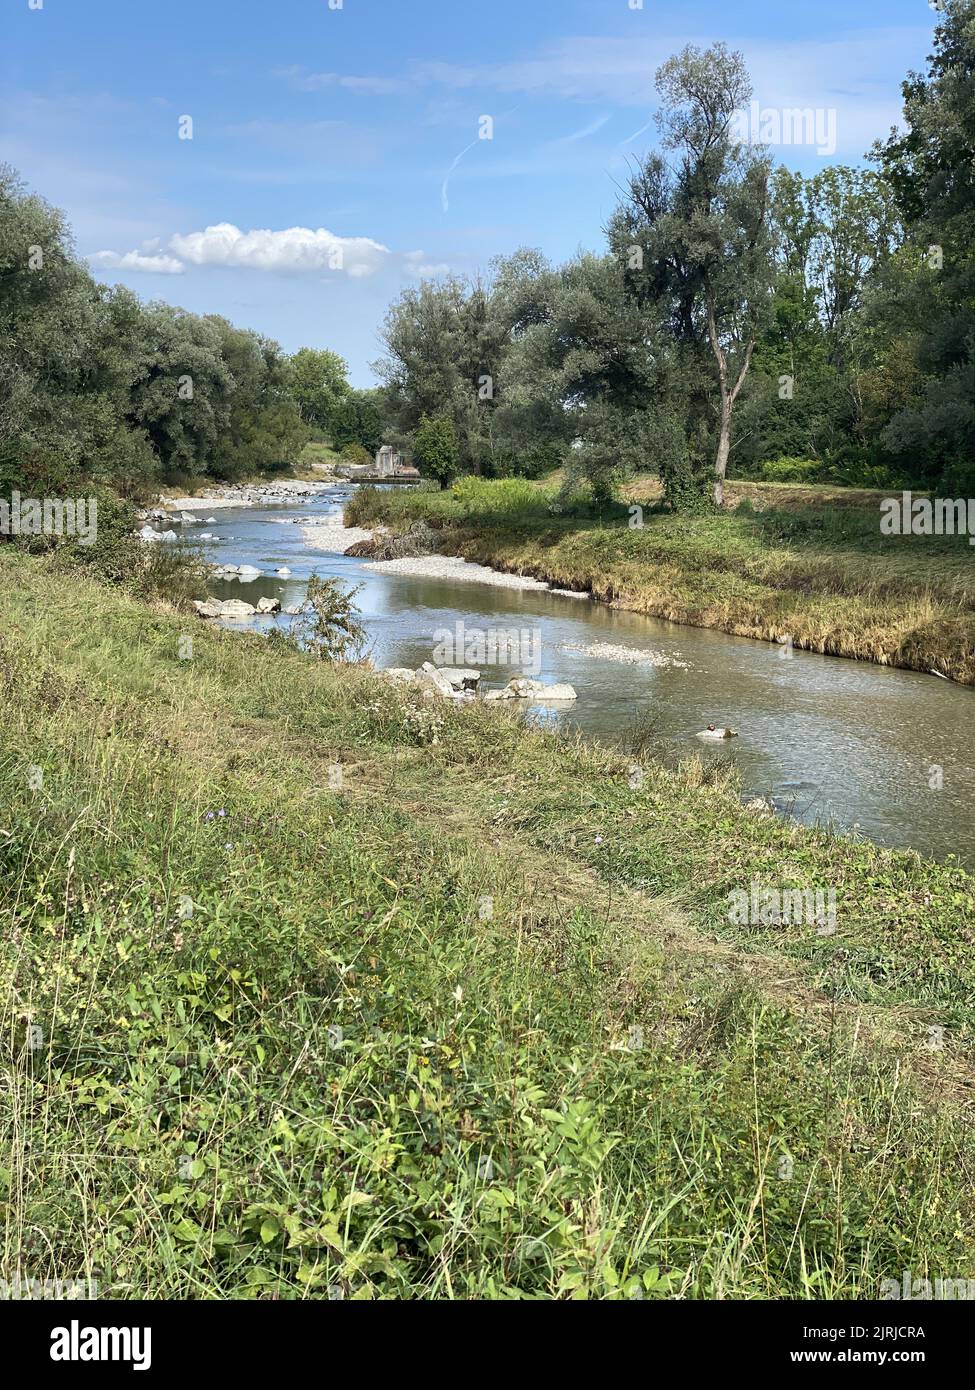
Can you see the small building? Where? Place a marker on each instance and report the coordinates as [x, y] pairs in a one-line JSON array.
[[388, 460]]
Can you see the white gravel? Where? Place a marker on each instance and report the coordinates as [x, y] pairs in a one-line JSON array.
[[198, 504], [333, 538], [451, 567], [629, 656]]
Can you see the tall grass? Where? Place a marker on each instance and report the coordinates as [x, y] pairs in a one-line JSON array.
[[298, 1003]]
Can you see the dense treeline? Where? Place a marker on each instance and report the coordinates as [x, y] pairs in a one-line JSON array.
[[743, 316], [97, 387]]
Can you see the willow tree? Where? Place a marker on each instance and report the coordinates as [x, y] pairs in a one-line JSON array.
[[697, 216]]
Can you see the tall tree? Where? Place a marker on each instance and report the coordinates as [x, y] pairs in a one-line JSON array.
[[700, 225], [319, 383], [444, 352], [931, 165]]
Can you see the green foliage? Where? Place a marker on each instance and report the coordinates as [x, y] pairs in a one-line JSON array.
[[435, 449], [354, 453], [357, 420], [330, 625], [793, 470], [319, 383], [930, 167], [694, 238], [97, 388]]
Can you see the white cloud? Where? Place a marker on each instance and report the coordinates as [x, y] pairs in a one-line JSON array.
[[416, 264], [298, 250], [305, 81], [137, 260], [293, 249]]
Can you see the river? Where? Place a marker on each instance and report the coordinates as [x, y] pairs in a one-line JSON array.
[[827, 740]]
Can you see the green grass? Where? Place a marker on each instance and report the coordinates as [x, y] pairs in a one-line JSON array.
[[465, 1020], [787, 561]]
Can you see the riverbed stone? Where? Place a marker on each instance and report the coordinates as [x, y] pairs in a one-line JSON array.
[[431, 680], [554, 693], [269, 605], [237, 610], [460, 677]]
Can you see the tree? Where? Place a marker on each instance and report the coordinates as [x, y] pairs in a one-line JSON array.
[[435, 449], [319, 384], [357, 419], [584, 368], [444, 353], [931, 165], [701, 226], [264, 427], [67, 358]]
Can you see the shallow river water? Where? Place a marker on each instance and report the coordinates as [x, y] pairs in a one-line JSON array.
[[826, 739]]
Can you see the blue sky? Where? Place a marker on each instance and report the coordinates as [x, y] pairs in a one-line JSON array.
[[335, 155]]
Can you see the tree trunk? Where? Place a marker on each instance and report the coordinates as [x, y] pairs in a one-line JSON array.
[[724, 449], [729, 394]]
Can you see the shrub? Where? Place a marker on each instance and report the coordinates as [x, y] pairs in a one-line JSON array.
[[435, 449], [330, 626], [355, 453], [794, 470]]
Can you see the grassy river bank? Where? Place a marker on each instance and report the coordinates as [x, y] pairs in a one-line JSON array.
[[786, 561], [313, 990]]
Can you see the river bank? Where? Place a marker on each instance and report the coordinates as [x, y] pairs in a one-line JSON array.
[[511, 966], [852, 745], [823, 579]]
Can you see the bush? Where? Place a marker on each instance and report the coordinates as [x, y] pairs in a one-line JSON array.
[[355, 453], [330, 626], [435, 449], [794, 470]]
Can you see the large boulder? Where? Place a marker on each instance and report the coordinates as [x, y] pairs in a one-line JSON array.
[[433, 681], [552, 694], [237, 610], [269, 605], [210, 608], [233, 609], [536, 692], [461, 678]]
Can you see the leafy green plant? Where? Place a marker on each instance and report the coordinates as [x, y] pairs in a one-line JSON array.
[[330, 625], [435, 450]]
